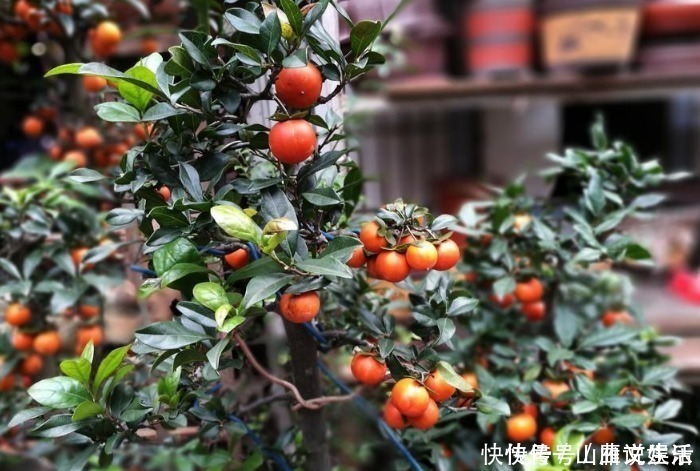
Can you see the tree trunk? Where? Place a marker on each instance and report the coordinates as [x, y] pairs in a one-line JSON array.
[[304, 354]]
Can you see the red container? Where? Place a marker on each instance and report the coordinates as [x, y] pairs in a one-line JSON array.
[[671, 17], [500, 22], [500, 55]]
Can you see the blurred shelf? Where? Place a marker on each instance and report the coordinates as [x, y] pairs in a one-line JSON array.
[[571, 87]]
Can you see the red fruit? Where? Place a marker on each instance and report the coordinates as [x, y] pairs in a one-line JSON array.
[[534, 312], [521, 428], [299, 308], [393, 417], [293, 141], [370, 238], [422, 256], [392, 266], [409, 397], [529, 291], [367, 370], [299, 87], [7, 383], [22, 342], [32, 365], [357, 259], [438, 389], [505, 302], [237, 259], [547, 437], [448, 255], [47, 343], [428, 418]]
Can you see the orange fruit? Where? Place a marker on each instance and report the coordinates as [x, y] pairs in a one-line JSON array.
[[149, 45], [531, 410], [367, 369], [392, 266], [88, 312], [292, 141], [611, 318], [372, 267], [472, 380], [164, 192], [105, 38], [534, 312], [422, 255], [32, 126], [94, 84], [428, 418], [143, 130], [8, 52], [547, 436], [299, 308], [604, 435], [22, 342], [55, 152], [448, 255], [86, 334], [78, 254], [357, 259], [393, 417], [409, 397], [47, 343], [237, 259], [299, 87], [17, 315], [556, 389], [529, 291], [370, 238], [32, 365], [88, 138], [7, 383], [22, 9], [65, 7], [438, 389], [505, 302], [76, 157], [521, 428]]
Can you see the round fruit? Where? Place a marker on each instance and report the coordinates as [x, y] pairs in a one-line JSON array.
[[367, 370], [521, 428], [611, 318], [143, 130], [299, 87], [299, 308], [428, 418], [17, 314], [32, 126], [604, 436], [55, 152], [22, 342], [531, 410], [32, 365], [372, 267], [438, 389], [7, 383], [88, 312], [422, 256], [76, 157], [504, 302], [547, 437], [448, 255], [77, 255], [164, 192], [88, 334], [105, 38], [94, 84], [409, 397], [556, 389], [393, 417], [47, 343], [472, 380], [534, 312], [293, 141], [8, 52], [237, 259], [357, 259], [371, 239], [392, 266], [149, 45], [529, 291], [22, 9], [88, 138]]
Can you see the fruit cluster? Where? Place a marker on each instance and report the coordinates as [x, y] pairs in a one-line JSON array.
[[529, 294]]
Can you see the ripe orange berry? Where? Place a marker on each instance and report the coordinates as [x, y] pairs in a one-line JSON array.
[[8, 52], [372, 267], [299, 308], [409, 397], [22, 342], [293, 141], [105, 38], [143, 130], [428, 418], [438, 389], [370, 238], [604, 435], [86, 334], [88, 312], [17, 315], [47, 343], [611, 318], [472, 380], [77, 157], [299, 87], [534, 312], [149, 45], [164, 192], [556, 389], [32, 365], [547, 436], [521, 428], [357, 259], [392, 266], [78, 254], [94, 84], [448, 255], [32, 126], [367, 369], [505, 302], [22, 9], [7, 383], [531, 410], [393, 417], [422, 255], [237, 259], [88, 138], [529, 291], [55, 152]]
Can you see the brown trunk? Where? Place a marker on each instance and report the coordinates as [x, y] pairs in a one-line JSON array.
[[304, 353]]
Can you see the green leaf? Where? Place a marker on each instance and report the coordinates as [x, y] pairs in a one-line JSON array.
[[452, 378], [57, 426], [566, 324], [617, 335], [109, 365], [168, 335], [167, 217], [214, 355], [184, 276], [293, 13], [243, 20], [236, 223], [322, 197], [270, 33], [161, 111], [85, 175], [192, 41], [77, 369], [27, 414], [10, 268], [363, 35], [503, 286], [180, 250], [117, 112], [261, 266], [263, 287], [492, 405], [462, 305], [326, 266], [86, 410], [629, 421], [210, 294], [446, 329], [88, 352], [190, 180], [64, 69], [60, 392], [341, 248]]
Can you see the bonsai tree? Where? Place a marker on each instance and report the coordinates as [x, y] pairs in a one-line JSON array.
[[249, 222]]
